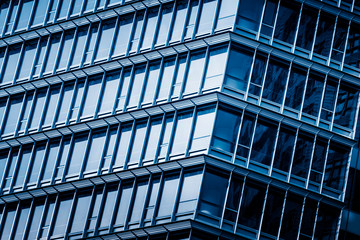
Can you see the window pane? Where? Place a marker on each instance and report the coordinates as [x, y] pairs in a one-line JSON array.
[[4, 8], [137, 85], [22, 165], [92, 97], [11, 168], [284, 148], [168, 195], [89, 50], [179, 22], [34, 221], [287, 21], [227, 14], [78, 95], [203, 127], [226, 130], [246, 135], [64, 9], [40, 58], [166, 137], [106, 38], [109, 94], [153, 192], [76, 8], [64, 152], [215, 68], [77, 156], [27, 60], [125, 81], [45, 225], [195, 73], [109, 148], [38, 159], [182, 133], [213, 192], [314, 89], [51, 158], [81, 211], [189, 192], [151, 82], [96, 151], [238, 69], [137, 32], [295, 89], [21, 221], [324, 34], [153, 140], [303, 151], [62, 216], [249, 16], [26, 112], [124, 204], [346, 105], [94, 210], [65, 104], [79, 46], [163, 32], [38, 109], [317, 165], [13, 114], [233, 199], [180, 73], [51, 106], [148, 38], [123, 145], [139, 201], [263, 143], [273, 209], [40, 12], [291, 217], [65, 50], [8, 220], [190, 24], [207, 16], [307, 26], [137, 144], [52, 54], [166, 79], [109, 206], [10, 66], [123, 36]]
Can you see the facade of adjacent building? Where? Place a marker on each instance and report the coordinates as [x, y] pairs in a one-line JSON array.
[[179, 119]]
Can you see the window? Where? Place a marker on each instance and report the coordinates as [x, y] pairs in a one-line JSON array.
[[79, 46], [273, 210], [92, 96], [12, 116], [22, 165], [168, 196], [286, 22], [11, 63], [47, 216], [124, 203], [109, 206], [233, 198], [195, 73], [21, 220], [291, 217], [64, 55], [89, 50], [150, 27], [51, 106], [226, 130], [95, 151], [207, 16], [307, 27], [77, 155], [80, 213], [249, 16], [27, 60], [35, 219], [25, 115], [64, 9], [52, 53], [339, 39], [346, 105], [63, 156], [267, 26], [124, 85], [317, 165], [65, 104], [303, 151], [179, 21], [50, 160], [10, 168], [227, 14], [203, 127], [212, 195], [151, 82], [182, 133], [109, 149], [39, 61], [62, 215], [324, 34], [109, 95], [180, 73], [38, 109], [139, 202], [137, 32], [39, 16], [124, 142], [166, 79], [38, 159], [238, 69], [164, 26], [190, 191], [295, 89], [137, 144], [313, 95], [164, 145], [136, 86], [77, 99], [94, 211], [191, 20], [152, 140], [150, 207], [105, 41], [8, 220], [284, 148], [123, 35], [215, 68]]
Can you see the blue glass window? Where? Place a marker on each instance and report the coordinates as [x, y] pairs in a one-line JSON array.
[[136, 86], [291, 217], [12, 116], [191, 21], [139, 202], [64, 54], [249, 16], [27, 59], [190, 191], [11, 63], [35, 219], [78, 95], [124, 203], [77, 155], [109, 94], [50, 160], [52, 53], [215, 68], [317, 165], [95, 152], [51, 106], [164, 145], [8, 220], [152, 140], [38, 158], [346, 105], [39, 17], [91, 97], [151, 82], [25, 113], [307, 26], [303, 151], [109, 206], [164, 26], [204, 124], [40, 57], [79, 46], [182, 133], [89, 51], [80, 213], [123, 35], [123, 146], [179, 22], [64, 9], [313, 95], [150, 207], [125, 82], [207, 16], [137, 32], [137, 144], [38, 109], [105, 40], [22, 165], [246, 135], [324, 34], [272, 213], [287, 21], [24, 17], [65, 104], [21, 221], [227, 14], [63, 156], [180, 73], [62, 215], [150, 27], [166, 79], [195, 73], [167, 200], [295, 89], [284, 148]]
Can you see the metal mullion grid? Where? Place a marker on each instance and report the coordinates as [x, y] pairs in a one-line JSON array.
[[158, 198], [252, 141], [282, 214], [118, 91], [145, 141], [264, 79], [230, 178], [292, 156], [335, 105], [177, 196], [315, 35], [262, 213], [195, 111], [132, 198], [116, 205], [131, 141], [260, 20], [186, 71], [115, 35], [68, 157], [238, 135], [57, 161], [159, 81], [274, 151], [321, 100], [293, 47], [144, 83], [205, 69], [91, 209], [290, 69], [97, 40], [114, 153], [304, 94], [15, 220], [187, 16], [324, 169], [101, 93], [2, 180], [86, 155], [43, 163]]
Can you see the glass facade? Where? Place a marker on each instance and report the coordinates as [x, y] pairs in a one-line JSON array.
[[179, 119]]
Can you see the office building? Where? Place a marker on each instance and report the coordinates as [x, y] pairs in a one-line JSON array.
[[179, 119]]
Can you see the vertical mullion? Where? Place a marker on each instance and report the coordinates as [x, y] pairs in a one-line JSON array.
[[143, 88], [159, 81], [135, 122], [114, 153], [144, 145], [86, 155], [43, 163], [206, 63], [192, 130], [21, 113], [102, 89], [118, 91], [57, 161]]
